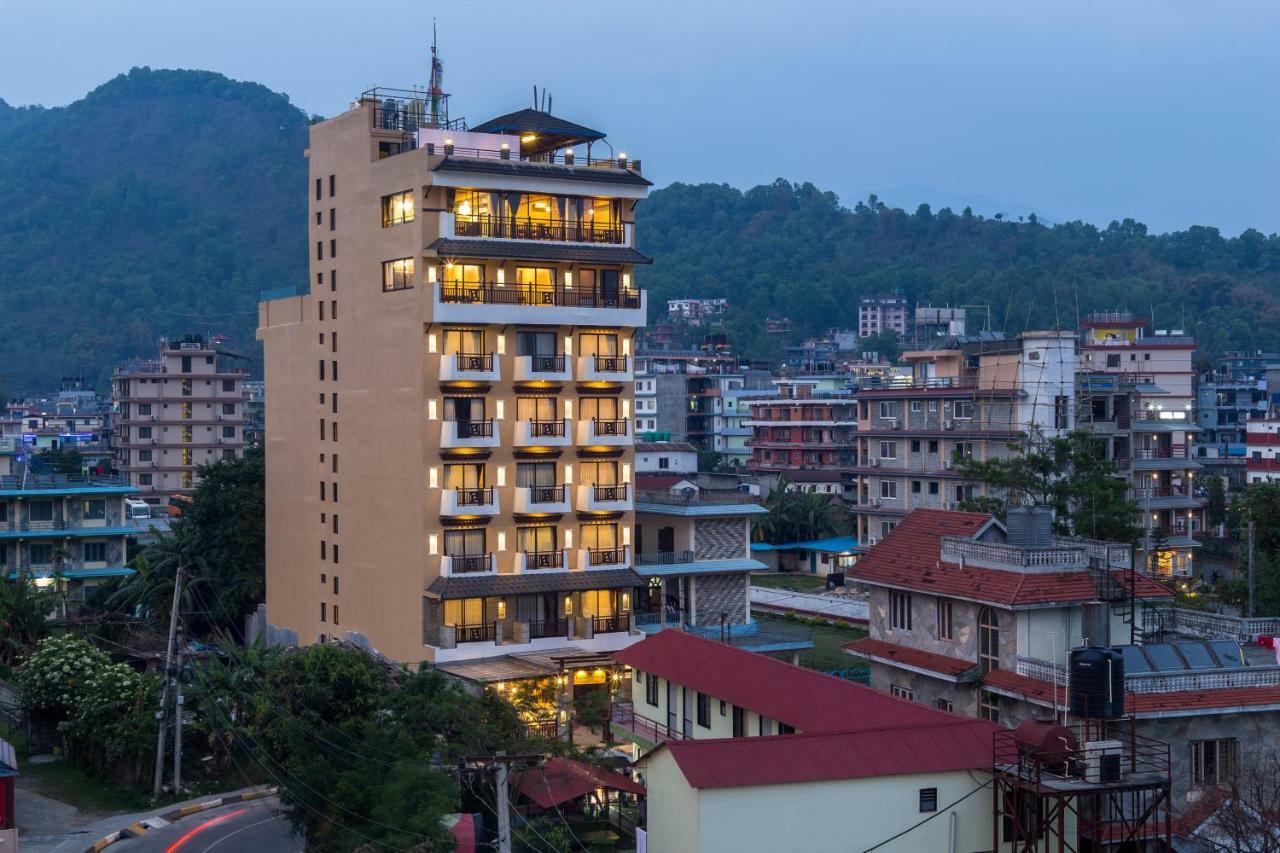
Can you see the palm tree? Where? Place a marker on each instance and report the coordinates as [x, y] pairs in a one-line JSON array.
[[798, 516], [24, 616]]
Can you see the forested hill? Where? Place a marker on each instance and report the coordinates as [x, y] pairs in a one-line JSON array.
[[164, 202], [792, 250], [161, 203]]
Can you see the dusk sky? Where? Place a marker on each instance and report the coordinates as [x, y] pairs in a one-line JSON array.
[[1163, 111]]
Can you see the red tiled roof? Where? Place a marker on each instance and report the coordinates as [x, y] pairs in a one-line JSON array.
[[1143, 704], [952, 744], [908, 559], [562, 779], [943, 664], [806, 700]]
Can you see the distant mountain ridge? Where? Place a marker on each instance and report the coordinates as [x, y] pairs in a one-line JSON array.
[[164, 202]]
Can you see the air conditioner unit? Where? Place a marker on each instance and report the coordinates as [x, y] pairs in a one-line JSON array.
[[948, 424], [872, 540], [1102, 760], [946, 464]]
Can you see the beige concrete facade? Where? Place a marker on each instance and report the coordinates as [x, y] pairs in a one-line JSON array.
[[449, 447], [174, 413]]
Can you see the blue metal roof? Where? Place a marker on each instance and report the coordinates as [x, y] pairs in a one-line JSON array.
[[55, 491], [65, 532], [834, 545], [82, 574], [699, 567]]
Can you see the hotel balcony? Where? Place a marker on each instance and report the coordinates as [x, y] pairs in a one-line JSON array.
[[469, 366], [469, 564], [468, 434], [541, 499], [468, 502], [543, 434], [610, 433], [605, 368], [543, 368], [541, 561], [597, 498], [541, 229], [495, 302], [604, 558]]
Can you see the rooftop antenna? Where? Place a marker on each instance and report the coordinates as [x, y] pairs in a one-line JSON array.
[[435, 88]]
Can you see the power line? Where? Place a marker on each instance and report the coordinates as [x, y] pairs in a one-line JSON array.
[[919, 824]]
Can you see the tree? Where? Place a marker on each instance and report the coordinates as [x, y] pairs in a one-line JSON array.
[[1247, 817], [60, 460], [887, 344], [24, 615], [1216, 510], [799, 516], [1066, 473]]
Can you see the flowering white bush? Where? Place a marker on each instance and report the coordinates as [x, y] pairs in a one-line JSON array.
[[55, 677]]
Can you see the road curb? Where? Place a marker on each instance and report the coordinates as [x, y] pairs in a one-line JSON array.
[[137, 829]]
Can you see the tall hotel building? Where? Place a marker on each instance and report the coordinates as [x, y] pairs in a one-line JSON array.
[[449, 424]]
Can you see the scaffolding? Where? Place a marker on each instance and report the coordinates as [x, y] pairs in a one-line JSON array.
[[1103, 787]]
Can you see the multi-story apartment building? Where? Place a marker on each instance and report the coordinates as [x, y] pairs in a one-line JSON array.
[[975, 616], [70, 525], [661, 403], [176, 412], [807, 423], [474, 288], [1136, 394], [1262, 451], [717, 414], [878, 314], [967, 397]]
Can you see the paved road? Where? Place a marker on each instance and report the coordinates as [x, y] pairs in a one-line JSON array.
[[252, 827]]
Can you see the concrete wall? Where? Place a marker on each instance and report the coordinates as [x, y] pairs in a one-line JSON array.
[[721, 594]]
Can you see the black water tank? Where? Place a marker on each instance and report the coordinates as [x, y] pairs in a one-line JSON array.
[[1097, 683]]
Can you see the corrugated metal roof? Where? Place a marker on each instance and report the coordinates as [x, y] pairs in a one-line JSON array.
[[894, 653], [529, 120], [834, 545], [563, 779]]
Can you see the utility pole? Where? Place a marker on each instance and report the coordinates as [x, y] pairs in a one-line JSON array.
[[504, 808], [164, 693], [177, 725], [1251, 611]]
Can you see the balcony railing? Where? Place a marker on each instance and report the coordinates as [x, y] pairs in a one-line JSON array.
[[546, 363], [34, 481], [606, 556], [610, 363], [615, 492], [474, 497], [564, 230], [546, 429], [543, 628], [703, 497], [464, 564], [567, 157], [474, 361], [476, 633], [993, 554], [475, 429], [617, 428], [492, 293], [544, 559], [546, 494], [623, 716], [665, 558], [611, 624]]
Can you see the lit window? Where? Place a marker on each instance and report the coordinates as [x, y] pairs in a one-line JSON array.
[[397, 208], [397, 274]]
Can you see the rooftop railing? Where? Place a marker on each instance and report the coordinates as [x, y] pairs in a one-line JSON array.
[[563, 157], [494, 293], [61, 481], [702, 498], [958, 549]]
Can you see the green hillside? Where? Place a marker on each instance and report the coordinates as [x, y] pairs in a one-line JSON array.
[[164, 201], [161, 203]]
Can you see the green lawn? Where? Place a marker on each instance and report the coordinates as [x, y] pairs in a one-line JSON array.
[[791, 581], [72, 785], [828, 644]]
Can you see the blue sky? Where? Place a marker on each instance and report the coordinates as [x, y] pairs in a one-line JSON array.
[[1163, 111]]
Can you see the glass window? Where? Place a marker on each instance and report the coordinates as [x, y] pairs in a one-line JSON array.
[[535, 408], [704, 710], [536, 540], [598, 344], [1212, 761], [900, 610], [457, 275], [464, 543], [465, 341], [598, 473], [536, 343], [397, 208], [397, 274], [40, 510], [945, 621], [467, 476], [464, 611], [41, 555], [600, 537], [989, 706], [95, 510], [599, 408], [535, 474], [472, 206], [599, 602], [988, 640], [144, 432], [95, 552]]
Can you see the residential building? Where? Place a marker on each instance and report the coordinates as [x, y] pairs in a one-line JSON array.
[[474, 288], [967, 398], [930, 325], [756, 754], [980, 617], [696, 312], [660, 404], [877, 314], [807, 423], [1136, 395], [255, 412], [176, 412], [68, 525], [1262, 451], [666, 457]]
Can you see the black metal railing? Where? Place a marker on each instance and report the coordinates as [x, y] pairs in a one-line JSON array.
[[665, 558], [492, 293], [475, 429], [546, 363], [611, 624], [546, 494], [610, 427], [611, 363], [565, 230], [544, 559], [546, 429], [482, 361], [616, 492], [606, 556], [463, 564], [474, 497], [476, 633], [541, 628], [565, 157]]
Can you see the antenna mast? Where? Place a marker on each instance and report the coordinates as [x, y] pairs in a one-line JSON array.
[[435, 90]]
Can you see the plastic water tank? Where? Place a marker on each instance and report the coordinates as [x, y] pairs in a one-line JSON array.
[[1096, 677]]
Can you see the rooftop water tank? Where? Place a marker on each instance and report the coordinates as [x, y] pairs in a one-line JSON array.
[[1029, 526], [1045, 740], [1096, 677]]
